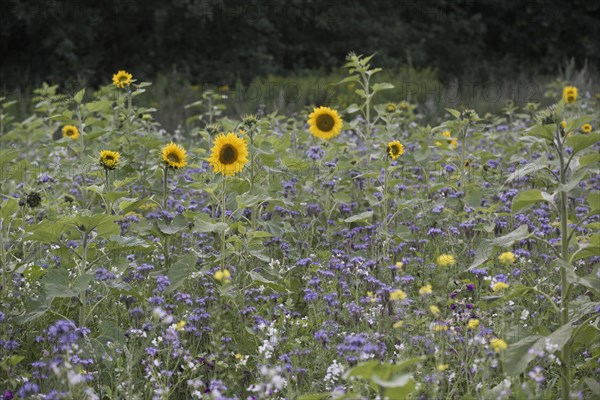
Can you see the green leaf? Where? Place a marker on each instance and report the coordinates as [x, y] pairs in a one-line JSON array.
[[352, 108], [587, 159], [487, 247], [9, 207], [582, 142], [56, 284], [259, 279], [377, 87], [352, 78], [180, 271], [590, 249], [79, 96], [178, 224], [103, 224], [593, 200], [100, 105], [360, 217], [542, 131], [526, 170], [530, 197], [314, 396], [454, 113]]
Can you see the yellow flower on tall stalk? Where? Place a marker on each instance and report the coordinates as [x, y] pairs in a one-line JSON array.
[[397, 295], [473, 323], [122, 79], [425, 290], [498, 345], [174, 156], [452, 142], [569, 94], [586, 128], [507, 258], [229, 154], [499, 286], [445, 260], [325, 123], [71, 132], [395, 149], [109, 159]]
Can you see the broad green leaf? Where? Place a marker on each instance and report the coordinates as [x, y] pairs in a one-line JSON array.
[[543, 131], [377, 87], [180, 271], [56, 284], [530, 197], [79, 96], [593, 200], [360, 217], [530, 168], [581, 142], [589, 159], [454, 113], [352, 108], [352, 78], [260, 279], [590, 249]]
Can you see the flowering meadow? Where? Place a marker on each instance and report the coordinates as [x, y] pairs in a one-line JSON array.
[[341, 253]]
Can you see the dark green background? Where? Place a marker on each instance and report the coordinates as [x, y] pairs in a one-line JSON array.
[[220, 42]]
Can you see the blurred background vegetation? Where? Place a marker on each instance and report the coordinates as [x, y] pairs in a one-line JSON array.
[[285, 55]]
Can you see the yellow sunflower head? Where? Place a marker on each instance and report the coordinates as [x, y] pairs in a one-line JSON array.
[[122, 79], [229, 154], [174, 156], [569, 94], [324, 123], [395, 149], [71, 132], [586, 128], [109, 159]]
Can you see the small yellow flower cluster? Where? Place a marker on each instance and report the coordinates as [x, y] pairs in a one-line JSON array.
[[498, 345], [223, 276], [425, 290], [507, 258], [397, 295], [445, 260]]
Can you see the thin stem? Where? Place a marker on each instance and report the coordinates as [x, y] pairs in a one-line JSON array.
[[106, 200], [223, 220], [565, 367], [165, 180], [82, 268]]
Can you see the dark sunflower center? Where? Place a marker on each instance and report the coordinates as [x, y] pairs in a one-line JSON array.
[[174, 158], [123, 79], [571, 98], [109, 158], [228, 154], [394, 150], [70, 132], [325, 122]]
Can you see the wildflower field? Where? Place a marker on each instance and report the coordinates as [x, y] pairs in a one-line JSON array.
[[341, 253]]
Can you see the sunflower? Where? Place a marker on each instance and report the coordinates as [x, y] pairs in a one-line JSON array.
[[71, 132], [395, 149], [324, 123], [174, 155], [586, 128], [452, 142], [229, 154], [569, 94], [109, 159], [122, 79]]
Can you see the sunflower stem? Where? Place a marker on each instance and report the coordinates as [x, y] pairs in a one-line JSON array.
[[223, 220], [82, 268], [165, 188], [81, 154], [565, 367], [385, 208], [107, 189]]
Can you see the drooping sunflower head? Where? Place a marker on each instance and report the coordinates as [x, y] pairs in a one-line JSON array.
[[569, 94], [109, 159], [395, 149], [324, 123], [122, 79], [174, 156], [71, 132], [229, 154]]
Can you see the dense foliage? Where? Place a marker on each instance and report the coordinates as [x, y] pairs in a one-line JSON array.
[[81, 42], [329, 255]]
